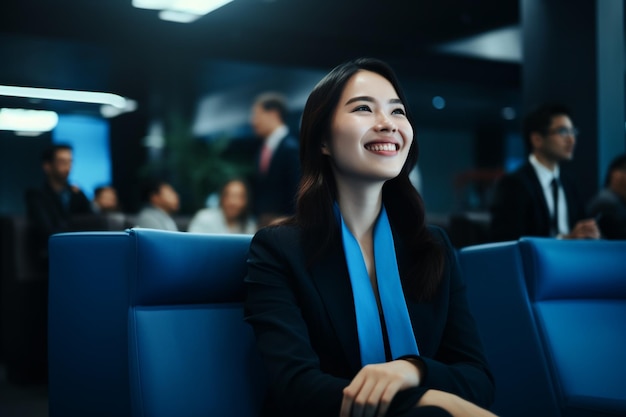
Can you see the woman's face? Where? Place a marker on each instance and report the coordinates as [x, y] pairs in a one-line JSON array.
[[234, 200], [166, 199], [370, 135], [107, 199]]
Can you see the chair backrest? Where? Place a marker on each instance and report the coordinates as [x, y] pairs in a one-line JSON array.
[[552, 314], [574, 269], [191, 354], [497, 295], [578, 293], [87, 324], [150, 323]]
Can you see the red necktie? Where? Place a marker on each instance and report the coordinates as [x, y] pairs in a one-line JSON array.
[[264, 162]]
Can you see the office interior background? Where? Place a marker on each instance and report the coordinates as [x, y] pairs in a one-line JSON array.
[[471, 69]]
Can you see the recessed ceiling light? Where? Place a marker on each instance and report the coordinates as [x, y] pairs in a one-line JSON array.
[[181, 11], [439, 102], [178, 17], [508, 113], [23, 120]]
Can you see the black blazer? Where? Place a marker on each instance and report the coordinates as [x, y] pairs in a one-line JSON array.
[[275, 191], [305, 325], [47, 215], [612, 207], [519, 207]]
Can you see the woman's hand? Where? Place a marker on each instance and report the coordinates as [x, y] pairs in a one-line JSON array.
[[372, 389], [453, 404]]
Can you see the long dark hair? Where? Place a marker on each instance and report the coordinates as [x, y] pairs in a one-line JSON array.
[[318, 190], [245, 213]]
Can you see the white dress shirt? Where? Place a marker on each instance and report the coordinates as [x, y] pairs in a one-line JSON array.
[[546, 176], [151, 217], [212, 220], [273, 140]]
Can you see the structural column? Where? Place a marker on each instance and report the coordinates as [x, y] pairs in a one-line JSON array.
[[573, 53]]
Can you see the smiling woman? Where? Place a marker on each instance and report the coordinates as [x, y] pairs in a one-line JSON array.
[[357, 306], [370, 122]]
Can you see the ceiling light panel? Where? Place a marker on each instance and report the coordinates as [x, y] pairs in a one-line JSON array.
[[182, 11], [64, 95], [24, 120], [197, 7]]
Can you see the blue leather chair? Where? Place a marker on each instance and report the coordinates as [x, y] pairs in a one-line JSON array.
[[150, 323], [552, 315]]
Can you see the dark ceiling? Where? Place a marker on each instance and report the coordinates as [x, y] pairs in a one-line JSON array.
[[109, 45], [298, 31]]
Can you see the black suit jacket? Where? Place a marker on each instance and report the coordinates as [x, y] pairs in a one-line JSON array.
[[47, 215], [612, 208], [519, 206], [275, 191], [305, 324]]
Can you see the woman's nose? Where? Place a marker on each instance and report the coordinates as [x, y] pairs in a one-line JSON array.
[[384, 123]]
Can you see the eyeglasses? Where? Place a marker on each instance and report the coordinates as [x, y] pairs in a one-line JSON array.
[[564, 131]]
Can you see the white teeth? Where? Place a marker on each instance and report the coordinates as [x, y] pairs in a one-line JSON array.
[[378, 147]]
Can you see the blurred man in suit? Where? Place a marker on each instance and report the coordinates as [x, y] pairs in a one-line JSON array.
[[278, 167], [51, 207], [539, 199]]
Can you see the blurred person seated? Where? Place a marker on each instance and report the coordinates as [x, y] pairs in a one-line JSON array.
[[161, 202], [51, 207], [105, 200], [540, 198], [231, 216], [609, 205]]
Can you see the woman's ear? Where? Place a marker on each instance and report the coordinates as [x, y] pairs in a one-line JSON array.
[[325, 150]]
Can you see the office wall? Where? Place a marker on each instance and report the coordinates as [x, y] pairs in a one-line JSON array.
[[89, 137], [444, 154], [20, 159], [20, 168]]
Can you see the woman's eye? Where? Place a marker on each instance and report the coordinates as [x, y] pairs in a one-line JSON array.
[[399, 111], [362, 108]]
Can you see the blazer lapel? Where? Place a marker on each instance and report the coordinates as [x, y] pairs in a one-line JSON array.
[[537, 190], [332, 280]]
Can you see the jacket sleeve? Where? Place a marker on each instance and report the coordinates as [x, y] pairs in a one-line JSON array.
[[83, 205], [298, 386], [612, 222], [459, 366], [44, 217]]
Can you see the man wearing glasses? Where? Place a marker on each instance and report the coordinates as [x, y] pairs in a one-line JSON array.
[[539, 199]]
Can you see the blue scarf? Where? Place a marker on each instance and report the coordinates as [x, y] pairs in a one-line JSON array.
[[397, 321]]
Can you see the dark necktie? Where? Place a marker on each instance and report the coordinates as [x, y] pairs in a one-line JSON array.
[[555, 199], [65, 199]]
